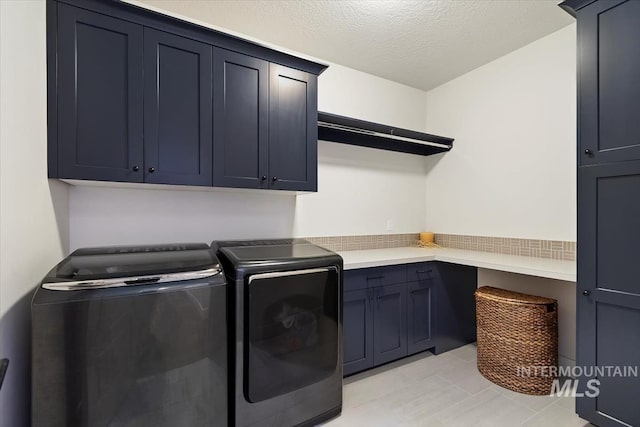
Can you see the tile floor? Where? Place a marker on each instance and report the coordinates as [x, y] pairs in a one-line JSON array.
[[444, 390]]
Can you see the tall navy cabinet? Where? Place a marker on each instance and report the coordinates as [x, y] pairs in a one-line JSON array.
[[99, 127], [608, 286]]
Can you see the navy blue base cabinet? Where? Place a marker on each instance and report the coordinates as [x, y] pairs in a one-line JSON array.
[[394, 311], [608, 286], [455, 306], [357, 330], [389, 323], [136, 96]]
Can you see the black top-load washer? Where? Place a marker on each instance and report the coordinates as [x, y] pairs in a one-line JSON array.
[[131, 336], [287, 324]]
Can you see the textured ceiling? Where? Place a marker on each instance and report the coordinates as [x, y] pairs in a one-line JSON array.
[[418, 43]]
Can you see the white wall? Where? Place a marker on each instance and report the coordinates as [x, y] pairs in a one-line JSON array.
[[511, 172], [359, 189], [33, 212]]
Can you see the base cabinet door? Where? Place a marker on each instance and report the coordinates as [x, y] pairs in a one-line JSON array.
[[419, 316], [390, 323], [357, 331], [455, 310], [608, 308]]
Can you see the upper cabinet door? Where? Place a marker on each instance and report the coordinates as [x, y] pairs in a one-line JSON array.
[[99, 97], [240, 120], [293, 129], [177, 110], [609, 129]]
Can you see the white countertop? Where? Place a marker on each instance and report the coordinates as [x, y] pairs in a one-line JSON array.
[[541, 267]]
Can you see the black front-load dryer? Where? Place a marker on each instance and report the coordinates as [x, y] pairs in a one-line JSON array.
[[131, 336], [288, 331]]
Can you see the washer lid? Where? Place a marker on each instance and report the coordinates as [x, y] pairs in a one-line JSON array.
[[94, 268]]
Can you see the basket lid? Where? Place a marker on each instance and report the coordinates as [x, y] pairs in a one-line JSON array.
[[512, 296]]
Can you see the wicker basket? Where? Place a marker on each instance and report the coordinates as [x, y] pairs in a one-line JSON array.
[[517, 337]]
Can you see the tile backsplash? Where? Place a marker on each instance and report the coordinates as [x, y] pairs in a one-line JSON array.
[[373, 241], [553, 249]]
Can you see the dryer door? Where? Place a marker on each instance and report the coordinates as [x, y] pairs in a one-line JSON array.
[[292, 333]]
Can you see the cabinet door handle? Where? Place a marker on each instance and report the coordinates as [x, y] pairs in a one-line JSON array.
[[152, 170], [375, 277], [274, 179], [586, 292], [424, 271], [370, 294], [264, 178], [136, 168], [588, 152]]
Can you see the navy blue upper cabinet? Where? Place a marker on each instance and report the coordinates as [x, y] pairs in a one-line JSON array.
[[177, 110], [609, 83], [241, 120], [293, 129], [137, 96], [265, 133], [99, 97]]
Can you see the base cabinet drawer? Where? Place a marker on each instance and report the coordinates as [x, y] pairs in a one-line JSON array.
[[374, 277]]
